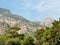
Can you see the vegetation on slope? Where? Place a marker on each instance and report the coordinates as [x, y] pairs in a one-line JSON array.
[[48, 36]]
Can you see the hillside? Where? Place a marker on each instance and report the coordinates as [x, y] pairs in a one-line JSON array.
[[10, 20]]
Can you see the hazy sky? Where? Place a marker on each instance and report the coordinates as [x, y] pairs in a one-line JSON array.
[[33, 9]]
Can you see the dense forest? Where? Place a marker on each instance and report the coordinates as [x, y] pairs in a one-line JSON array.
[[47, 36]]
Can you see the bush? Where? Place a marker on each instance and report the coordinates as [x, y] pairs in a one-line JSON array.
[[12, 41]]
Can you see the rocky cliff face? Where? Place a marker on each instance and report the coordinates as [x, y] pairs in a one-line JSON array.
[[47, 22], [8, 19]]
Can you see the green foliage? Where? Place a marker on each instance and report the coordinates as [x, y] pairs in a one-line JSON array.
[[50, 36], [28, 41], [14, 28], [12, 41], [38, 35], [47, 36], [21, 36], [2, 40], [11, 32]]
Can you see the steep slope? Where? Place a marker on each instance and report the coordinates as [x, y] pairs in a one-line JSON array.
[[10, 19]]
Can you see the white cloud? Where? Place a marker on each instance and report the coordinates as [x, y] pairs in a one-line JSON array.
[[42, 5], [26, 4], [49, 6]]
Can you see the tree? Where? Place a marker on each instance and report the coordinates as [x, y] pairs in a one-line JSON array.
[[38, 35], [12, 41], [2, 40], [11, 32], [49, 36], [28, 41]]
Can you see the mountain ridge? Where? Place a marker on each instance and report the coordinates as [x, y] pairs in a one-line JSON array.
[[16, 20], [10, 20]]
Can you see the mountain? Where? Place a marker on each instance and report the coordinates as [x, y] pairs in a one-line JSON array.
[[8, 19], [47, 22]]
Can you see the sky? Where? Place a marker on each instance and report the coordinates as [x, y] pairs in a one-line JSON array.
[[34, 10]]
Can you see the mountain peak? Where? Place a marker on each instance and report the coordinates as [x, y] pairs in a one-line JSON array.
[[4, 11], [47, 22]]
